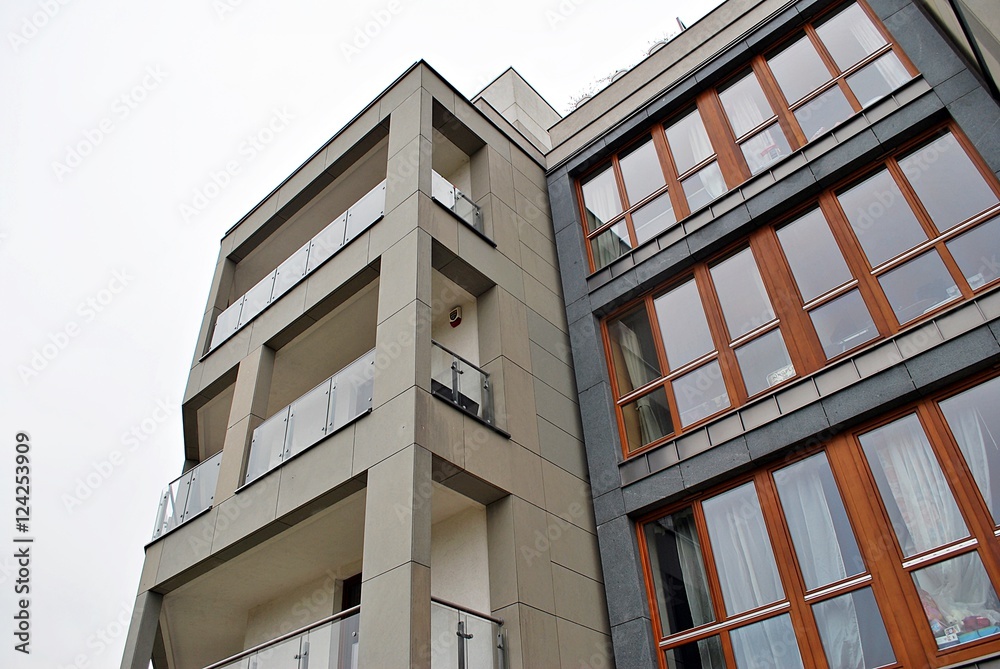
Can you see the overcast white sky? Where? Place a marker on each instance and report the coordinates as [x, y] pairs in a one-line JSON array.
[[114, 115]]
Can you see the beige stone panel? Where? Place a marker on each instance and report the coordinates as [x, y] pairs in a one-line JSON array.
[[234, 454], [150, 566], [436, 86], [539, 638], [519, 402], [302, 177], [278, 316], [194, 386], [398, 523], [579, 598], [494, 265], [534, 566], [568, 497], [186, 546], [401, 90], [405, 274], [488, 454], [526, 475], [488, 312], [562, 449], [408, 171], [315, 471], [250, 223], [538, 242], [547, 303], [529, 169], [411, 118], [402, 352], [225, 357], [252, 385], [512, 629], [395, 627], [396, 225], [503, 553], [550, 337], [385, 431], [532, 204], [538, 267], [581, 646], [291, 610], [336, 271], [514, 330], [351, 135], [503, 224], [501, 177], [440, 428], [552, 371], [558, 409], [254, 507], [574, 548], [441, 223]]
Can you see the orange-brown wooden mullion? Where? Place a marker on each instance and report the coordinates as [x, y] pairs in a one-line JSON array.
[[647, 573], [708, 556], [677, 198], [731, 162], [582, 208], [728, 365], [661, 356], [623, 197], [789, 124], [831, 66]]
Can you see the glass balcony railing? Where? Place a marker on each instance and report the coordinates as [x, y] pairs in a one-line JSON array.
[[464, 639], [187, 496], [322, 411], [458, 202], [456, 380], [328, 644], [361, 216]]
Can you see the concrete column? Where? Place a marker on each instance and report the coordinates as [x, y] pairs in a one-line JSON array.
[[253, 383], [395, 626], [142, 631]]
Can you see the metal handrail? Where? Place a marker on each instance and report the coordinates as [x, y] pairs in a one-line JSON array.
[[466, 609], [346, 613], [456, 355]]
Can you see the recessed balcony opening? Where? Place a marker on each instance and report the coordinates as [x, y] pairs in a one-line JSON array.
[[322, 380], [212, 421], [299, 577], [337, 207], [460, 170]]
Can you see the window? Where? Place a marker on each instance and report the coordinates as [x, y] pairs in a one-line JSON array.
[[825, 74], [868, 258], [874, 551]]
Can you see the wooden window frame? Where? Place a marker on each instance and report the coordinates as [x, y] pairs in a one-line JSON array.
[[885, 573], [791, 311], [727, 151]]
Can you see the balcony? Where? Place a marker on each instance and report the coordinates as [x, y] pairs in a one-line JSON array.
[[331, 643], [457, 202], [459, 382], [187, 496], [359, 217], [464, 639], [305, 422]]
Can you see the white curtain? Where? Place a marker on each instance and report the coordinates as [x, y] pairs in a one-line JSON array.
[[768, 643], [974, 437], [639, 372]]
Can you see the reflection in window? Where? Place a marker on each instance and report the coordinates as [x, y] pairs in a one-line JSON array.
[[704, 186], [878, 79], [647, 419], [653, 218], [701, 654], [977, 253], [823, 112], [765, 148], [683, 325], [938, 171], [852, 631], [959, 601], [799, 70], [611, 244], [913, 488], [843, 323], [747, 108], [633, 350], [918, 286], [850, 36], [975, 424], [600, 195], [701, 393], [678, 572], [689, 142], [641, 172], [741, 292], [764, 362], [744, 560], [816, 261], [768, 643], [881, 218]]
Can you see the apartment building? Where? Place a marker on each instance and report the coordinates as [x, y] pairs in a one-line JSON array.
[[384, 458], [779, 245]]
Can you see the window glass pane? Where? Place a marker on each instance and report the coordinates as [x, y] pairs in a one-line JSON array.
[[821, 533], [843, 323], [702, 654], [820, 114], [647, 419], [850, 36], [918, 286], [878, 79], [959, 600], [689, 142], [745, 105], [600, 195], [799, 70], [881, 218], [744, 560], [744, 301], [912, 486], [683, 325], [764, 362], [642, 172], [977, 253], [975, 423], [852, 631], [678, 572], [765, 148], [653, 218], [947, 183], [633, 353], [768, 643], [700, 393], [816, 261], [611, 244], [704, 186]]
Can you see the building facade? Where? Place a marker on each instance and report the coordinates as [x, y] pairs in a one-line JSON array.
[[384, 453], [779, 245]]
